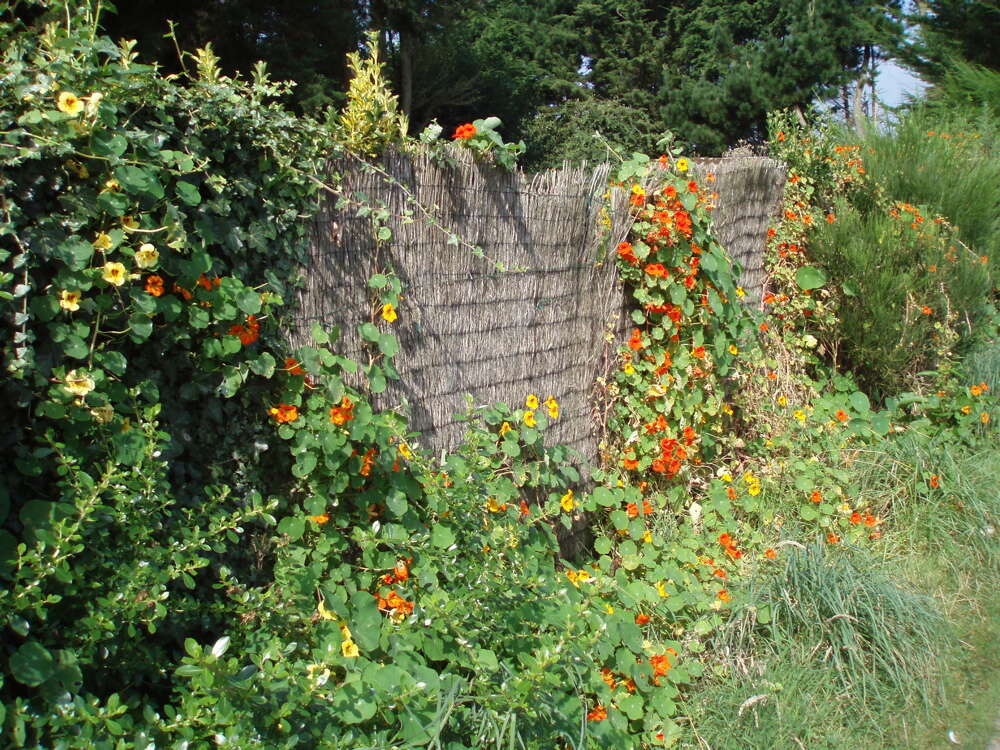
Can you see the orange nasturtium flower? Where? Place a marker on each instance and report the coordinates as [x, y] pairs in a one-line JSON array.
[[344, 413], [641, 619], [984, 417], [934, 481], [816, 496], [599, 713], [320, 519], [464, 132], [293, 366], [247, 332], [841, 415], [926, 310], [154, 285], [832, 538], [283, 413], [770, 554]]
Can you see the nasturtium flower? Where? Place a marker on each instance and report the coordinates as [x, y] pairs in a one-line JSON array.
[[114, 273], [78, 383], [320, 519], [69, 300], [567, 502], [349, 649], [733, 350], [841, 415], [69, 103], [146, 256], [599, 713], [984, 417], [505, 428], [531, 401], [529, 418], [388, 312], [324, 613], [283, 413], [405, 451], [464, 132], [128, 223], [934, 481], [102, 241], [493, 506], [682, 165], [552, 406], [340, 415], [154, 285], [770, 554]]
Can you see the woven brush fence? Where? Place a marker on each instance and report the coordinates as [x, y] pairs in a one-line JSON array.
[[464, 327]]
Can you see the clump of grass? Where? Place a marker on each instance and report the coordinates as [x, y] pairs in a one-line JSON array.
[[849, 614]]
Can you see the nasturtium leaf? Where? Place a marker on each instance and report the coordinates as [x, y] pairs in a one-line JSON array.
[[442, 536], [75, 252], [602, 546], [264, 365], [248, 301], [32, 664], [388, 345], [105, 143], [293, 526], [319, 336], [75, 347], [810, 277], [369, 332], [860, 402], [140, 326], [139, 181]]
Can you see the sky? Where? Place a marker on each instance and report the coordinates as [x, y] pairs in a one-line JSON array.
[[894, 83]]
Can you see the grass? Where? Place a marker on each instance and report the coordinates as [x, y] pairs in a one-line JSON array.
[[889, 648]]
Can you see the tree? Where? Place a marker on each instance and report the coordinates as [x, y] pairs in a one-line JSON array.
[[945, 29]]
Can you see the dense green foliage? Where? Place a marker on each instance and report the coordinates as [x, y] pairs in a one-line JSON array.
[[555, 70], [207, 538]]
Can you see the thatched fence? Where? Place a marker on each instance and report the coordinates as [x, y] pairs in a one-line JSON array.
[[467, 328]]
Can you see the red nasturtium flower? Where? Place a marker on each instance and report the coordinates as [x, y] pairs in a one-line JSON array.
[[855, 518], [635, 342], [641, 619], [247, 332], [698, 352], [154, 285], [293, 367], [464, 132], [283, 413]]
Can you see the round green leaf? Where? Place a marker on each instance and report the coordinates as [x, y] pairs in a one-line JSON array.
[[810, 277], [32, 664]]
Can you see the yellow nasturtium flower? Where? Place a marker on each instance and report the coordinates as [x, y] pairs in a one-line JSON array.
[[146, 256], [505, 428], [69, 103], [553, 407], [349, 649], [69, 300], [102, 242], [78, 383], [388, 312], [529, 418], [114, 273], [682, 165], [567, 502], [531, 401]]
